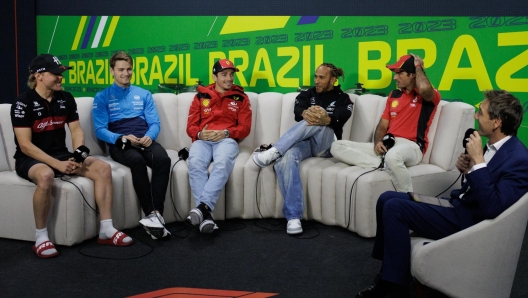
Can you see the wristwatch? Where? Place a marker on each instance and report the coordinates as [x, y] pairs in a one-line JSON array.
[[226, 133]]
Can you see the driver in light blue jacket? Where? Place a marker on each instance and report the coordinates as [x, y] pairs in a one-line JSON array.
[[125, 117]]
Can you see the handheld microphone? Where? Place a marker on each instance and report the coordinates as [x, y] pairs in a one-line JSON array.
[[388, 141], [183, 154], [80, 154], [468, 133], [124, 144]]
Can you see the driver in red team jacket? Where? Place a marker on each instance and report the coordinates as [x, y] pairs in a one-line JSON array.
[[219, 117]]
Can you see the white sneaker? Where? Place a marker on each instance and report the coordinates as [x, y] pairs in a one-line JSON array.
[[265, 158], [154, 224], [294, 227]]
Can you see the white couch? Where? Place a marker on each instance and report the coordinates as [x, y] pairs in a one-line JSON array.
[[327, 183]]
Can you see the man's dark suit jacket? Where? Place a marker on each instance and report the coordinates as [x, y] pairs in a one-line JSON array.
[[495, 187]]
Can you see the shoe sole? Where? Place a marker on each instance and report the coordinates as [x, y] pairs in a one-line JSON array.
[[165, 234], [258, 163], [207, 227], [155, 233], [294, 232], [195, 216]]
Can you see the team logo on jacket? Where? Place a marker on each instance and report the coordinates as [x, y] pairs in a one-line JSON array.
[[331, 107], [414, 101], [236, 97], [394, 103], [205, 102]]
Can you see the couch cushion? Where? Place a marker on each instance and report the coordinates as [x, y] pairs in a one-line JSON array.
[[368, 109], [455, 118]]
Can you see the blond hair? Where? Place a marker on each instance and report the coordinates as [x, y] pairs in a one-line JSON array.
[[32, 81], [121, 55]]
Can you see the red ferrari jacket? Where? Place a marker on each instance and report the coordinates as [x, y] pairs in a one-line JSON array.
[[231, 111]]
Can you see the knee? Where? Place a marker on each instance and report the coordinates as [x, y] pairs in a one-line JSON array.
[[393, 207], [393, 159], [196, 163], [164, 162], [136, 160], [384, 198], [102, 169], [336, 146], [288, 159], [44, 178]]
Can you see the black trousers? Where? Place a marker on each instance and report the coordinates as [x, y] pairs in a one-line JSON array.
[[151, 194]]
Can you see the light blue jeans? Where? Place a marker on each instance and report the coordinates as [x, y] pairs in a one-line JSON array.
[[206, 187], [297, 144]]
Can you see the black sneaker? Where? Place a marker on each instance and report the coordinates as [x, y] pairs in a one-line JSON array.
[[198, 214]]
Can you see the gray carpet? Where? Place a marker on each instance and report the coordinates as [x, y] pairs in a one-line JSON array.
[[245, 255]]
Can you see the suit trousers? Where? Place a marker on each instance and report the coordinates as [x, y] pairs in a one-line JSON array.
[[396, 215]]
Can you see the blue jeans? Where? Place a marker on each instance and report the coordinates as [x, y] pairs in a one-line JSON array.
[[206, 187], [297, 144]]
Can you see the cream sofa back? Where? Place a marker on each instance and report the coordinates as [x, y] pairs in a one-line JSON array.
[[250, 192]]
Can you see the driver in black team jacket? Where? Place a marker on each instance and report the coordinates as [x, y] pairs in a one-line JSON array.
[[39, 117], [321, 112]]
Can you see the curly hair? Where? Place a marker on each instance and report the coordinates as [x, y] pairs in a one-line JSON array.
[[336, 71]]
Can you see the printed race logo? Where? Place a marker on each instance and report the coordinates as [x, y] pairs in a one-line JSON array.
[[192, 292], [85, 31]]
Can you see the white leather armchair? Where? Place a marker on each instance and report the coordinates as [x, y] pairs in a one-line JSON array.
[[479, 261]]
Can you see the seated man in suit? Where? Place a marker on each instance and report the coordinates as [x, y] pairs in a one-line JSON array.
[[495, 178]]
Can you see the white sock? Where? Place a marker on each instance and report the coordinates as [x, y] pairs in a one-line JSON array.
[[41, 236], [107, 230]]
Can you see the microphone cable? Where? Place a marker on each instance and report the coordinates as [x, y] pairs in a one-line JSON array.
[[183, 154], [350, 196], [82, 247], [61, 176], [467, 134], [80, 250], [301, 236], [449, 185]]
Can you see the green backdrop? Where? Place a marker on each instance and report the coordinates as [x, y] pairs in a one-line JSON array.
[[463, 56]]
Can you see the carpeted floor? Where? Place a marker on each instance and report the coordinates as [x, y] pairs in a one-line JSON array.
[[245, 255]]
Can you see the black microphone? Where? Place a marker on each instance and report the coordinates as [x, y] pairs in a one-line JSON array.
[[183, 154], [124, 144], [80, 154], [468, 133], [388, 141]]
